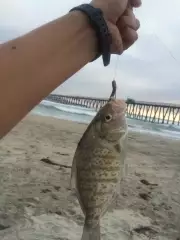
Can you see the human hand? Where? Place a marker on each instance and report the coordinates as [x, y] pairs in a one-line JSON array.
[[121, 21]]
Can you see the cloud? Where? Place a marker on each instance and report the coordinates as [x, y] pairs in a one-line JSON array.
[[147, 71]]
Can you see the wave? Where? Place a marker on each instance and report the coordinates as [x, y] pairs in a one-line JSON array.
[[154, 126], [82, 114], [174, 128], [69, 108]]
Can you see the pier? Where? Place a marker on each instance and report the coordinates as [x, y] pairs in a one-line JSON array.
[[146, 111]]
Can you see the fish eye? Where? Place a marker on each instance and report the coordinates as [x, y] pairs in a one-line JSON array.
[[108, 117]]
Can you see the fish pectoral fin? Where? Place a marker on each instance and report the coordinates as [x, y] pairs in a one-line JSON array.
[[113, 199], [109, 203], [119, 188]]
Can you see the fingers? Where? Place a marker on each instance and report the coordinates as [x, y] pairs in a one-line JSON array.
[[117, 46], [126, 21], [135, 3], [128, 26], [129, 37]]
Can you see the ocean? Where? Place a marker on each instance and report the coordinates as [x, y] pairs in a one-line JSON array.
[[85, 115]]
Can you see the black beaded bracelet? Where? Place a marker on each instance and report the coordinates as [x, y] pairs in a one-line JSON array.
[[99, 24]]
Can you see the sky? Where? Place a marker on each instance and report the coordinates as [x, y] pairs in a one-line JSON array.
[[148, 71]]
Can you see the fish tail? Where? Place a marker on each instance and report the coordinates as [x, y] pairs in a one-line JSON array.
[[91, 233]]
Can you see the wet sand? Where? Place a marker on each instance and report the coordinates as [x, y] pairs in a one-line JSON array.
[[36, 201]]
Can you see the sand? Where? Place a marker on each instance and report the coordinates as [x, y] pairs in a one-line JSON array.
[[36, 201]]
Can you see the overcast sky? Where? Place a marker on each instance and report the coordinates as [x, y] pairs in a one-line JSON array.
[[147, 71]]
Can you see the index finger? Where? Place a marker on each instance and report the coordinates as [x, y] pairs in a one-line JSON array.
[[135, 3]]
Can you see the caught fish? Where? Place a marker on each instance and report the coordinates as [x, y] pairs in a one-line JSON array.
[[99, 164]]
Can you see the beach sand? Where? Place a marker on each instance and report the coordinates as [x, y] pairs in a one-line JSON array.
[[36, 202]]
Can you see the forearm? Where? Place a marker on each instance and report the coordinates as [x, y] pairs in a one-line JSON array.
[[33, 65]]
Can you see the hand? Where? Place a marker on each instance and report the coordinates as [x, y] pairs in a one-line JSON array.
[[121, 21]]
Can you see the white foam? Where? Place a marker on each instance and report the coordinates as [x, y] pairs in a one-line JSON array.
[[76, 113], [70, 108]]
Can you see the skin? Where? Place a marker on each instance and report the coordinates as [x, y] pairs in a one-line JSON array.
[[33, 65]]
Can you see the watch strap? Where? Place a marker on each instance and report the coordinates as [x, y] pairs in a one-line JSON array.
[[99, 24]]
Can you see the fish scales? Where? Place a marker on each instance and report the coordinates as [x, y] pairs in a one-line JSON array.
[[98, 165]]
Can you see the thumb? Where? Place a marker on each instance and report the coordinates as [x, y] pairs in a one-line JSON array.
[[112, 9]]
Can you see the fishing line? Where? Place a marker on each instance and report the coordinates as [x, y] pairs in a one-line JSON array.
[[116, 67], [114, 85], [161, 41], [168, 50]]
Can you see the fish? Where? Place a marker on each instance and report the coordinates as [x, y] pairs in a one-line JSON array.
[[99, 166]]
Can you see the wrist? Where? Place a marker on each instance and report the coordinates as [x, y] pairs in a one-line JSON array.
[[97, 21], [105, 8], [85, 32]]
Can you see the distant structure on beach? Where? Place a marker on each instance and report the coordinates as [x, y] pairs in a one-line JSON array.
[[130, 101], [146, 111]]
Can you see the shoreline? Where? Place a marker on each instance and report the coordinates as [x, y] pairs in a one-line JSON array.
[[131, 127], [35, 165]]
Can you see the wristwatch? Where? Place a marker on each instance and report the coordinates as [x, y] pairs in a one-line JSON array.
[[99, 24]]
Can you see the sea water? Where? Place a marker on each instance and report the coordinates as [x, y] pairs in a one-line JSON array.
[[85, 115]]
